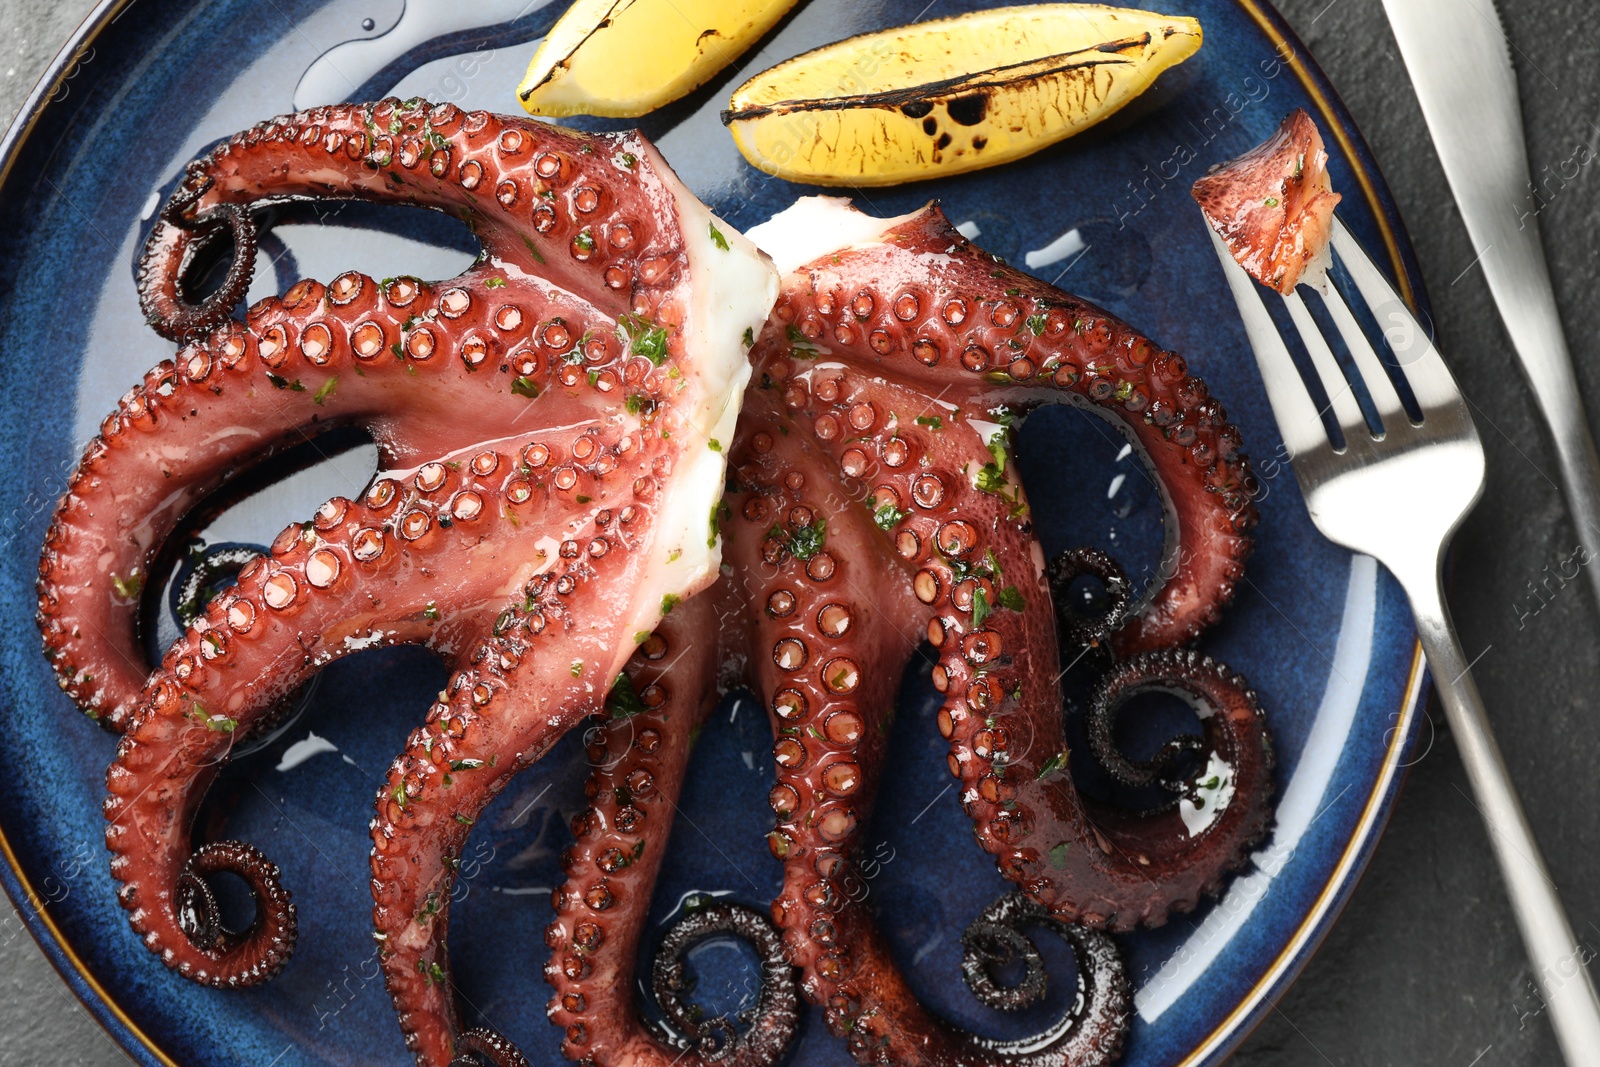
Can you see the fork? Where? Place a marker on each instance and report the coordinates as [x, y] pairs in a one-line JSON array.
[[1399, 495]]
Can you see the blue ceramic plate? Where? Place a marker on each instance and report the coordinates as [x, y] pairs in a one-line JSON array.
[[1324, 637]]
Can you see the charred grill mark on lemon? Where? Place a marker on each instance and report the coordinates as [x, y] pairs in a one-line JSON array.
[[951, 95]]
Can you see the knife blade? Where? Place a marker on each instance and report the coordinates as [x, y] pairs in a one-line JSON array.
[[1459, 58]]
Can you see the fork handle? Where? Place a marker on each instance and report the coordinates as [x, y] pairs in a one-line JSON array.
[[1558, 960]]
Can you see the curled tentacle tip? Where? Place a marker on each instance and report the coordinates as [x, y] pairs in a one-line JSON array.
[[1093, 1029], [988, 948], [775, 1017], [255, 954], [1221, 781], [1079, 628], [174, 244]]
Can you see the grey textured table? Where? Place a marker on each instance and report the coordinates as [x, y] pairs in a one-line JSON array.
[[1424, 969]]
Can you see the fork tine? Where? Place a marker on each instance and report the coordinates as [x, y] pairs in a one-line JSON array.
[[1425, 371], [1384, 397], [1341, 398], [1296, 415]]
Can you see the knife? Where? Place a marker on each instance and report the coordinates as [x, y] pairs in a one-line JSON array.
[[1459, 58], [1460, 62]]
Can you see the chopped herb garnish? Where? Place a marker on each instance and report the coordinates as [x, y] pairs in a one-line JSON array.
[[992, 480], [670, 601], [532, 248], [525, 386], [1036, 323], [623, 702], [980, 607], [576, 668], [717, 238], [749, 336], [714, 444], [932, 422], [495, 283], [1010, 598], [465, 764], [644, 339], [719, 512], [1052, 765], [803, 543], [431, 611], [284, 383], [584, 241], [1058, 854], [887, 516], [800, 346], [1271, 201], [325, 390]]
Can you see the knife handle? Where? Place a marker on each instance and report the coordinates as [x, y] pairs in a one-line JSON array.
[[1518, 274], [1558, 959], [1580, 474]]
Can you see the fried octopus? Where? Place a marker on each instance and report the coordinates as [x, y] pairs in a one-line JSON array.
[[553, 426]]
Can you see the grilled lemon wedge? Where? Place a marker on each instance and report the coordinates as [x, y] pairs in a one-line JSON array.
[[953, 94], [624, 58]]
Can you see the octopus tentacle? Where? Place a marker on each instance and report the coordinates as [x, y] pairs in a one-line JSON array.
[[920, 303], [996, 938], [1225, 801], [590, 243], [195, 591], [164, 305], [579, 210], [979, 570], [497, 717], [272, 933], [774, 1016], [353, 352], [485, 1048], [360, 574], [1077, 627], [827, 652], [640, 759], [531, 526]]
